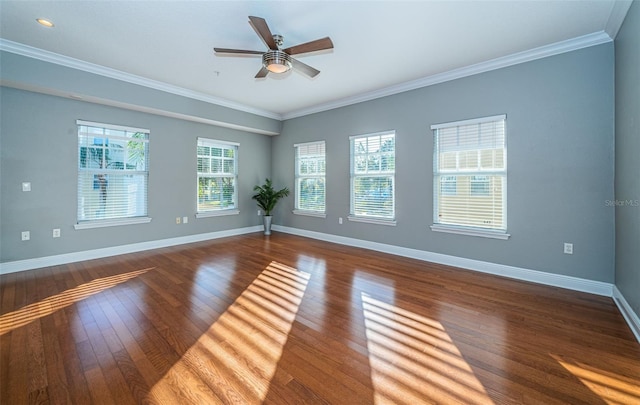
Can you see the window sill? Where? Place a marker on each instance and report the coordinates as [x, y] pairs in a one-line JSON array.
[[220, 213], [484, 233], [377, 221], [111, 222], [310, 213]]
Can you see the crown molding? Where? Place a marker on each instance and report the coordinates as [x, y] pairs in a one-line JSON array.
[[51, 57], [619, 11], [615, 21], [557, 48]]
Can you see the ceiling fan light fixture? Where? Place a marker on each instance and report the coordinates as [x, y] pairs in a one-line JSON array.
[[276, 61]]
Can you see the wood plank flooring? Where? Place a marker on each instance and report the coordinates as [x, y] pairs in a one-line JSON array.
[[289, 320]]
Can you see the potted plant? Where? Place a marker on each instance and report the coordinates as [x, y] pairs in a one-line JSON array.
[[267, 197]]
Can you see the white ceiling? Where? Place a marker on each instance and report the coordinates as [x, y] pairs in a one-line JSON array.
[[380, 46]]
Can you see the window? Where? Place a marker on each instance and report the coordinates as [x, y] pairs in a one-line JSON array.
[[470, 177], [448, 185], [113, 173], [373, 165], [217, 178], [310, 178], [480, 186]]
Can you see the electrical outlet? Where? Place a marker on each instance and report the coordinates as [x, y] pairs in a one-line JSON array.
[[26, 186], [185, 220], [568, 248], [259, 212], [26, 235], [56, 233], [177, 220], [340, 220]]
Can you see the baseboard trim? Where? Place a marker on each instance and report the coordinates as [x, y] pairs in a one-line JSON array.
[[29, 264], [627, 312], [535, 276]]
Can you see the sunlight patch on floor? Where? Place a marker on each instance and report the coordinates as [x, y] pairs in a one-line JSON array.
[[611, 387], [413, 359], [235, 360], [47, 306]]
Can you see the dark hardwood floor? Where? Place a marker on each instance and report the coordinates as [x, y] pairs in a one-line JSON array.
[[290, 320]]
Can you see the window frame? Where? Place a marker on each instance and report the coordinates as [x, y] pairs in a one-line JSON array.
[[380, 174], [215, 143], [298, 177], [473, 178], [124, 171]]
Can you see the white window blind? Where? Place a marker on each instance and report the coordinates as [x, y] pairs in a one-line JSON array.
[[217, 175], [470, 174], [310, 177], [113, 172], [373, 165]]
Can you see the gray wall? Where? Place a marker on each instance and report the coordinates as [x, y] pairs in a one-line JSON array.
[[627, 175], [560, 151], [560, 142], [38, 143], [50, 78]]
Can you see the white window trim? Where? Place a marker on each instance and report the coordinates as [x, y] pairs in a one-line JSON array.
[[366, 135], [295, 145], [112, 126], [104, 223], [470, 121], [111, 222], [215, 142], [472, 231], [220, 213], [223, 212], [461, 230], [309, 213], [371, 220]]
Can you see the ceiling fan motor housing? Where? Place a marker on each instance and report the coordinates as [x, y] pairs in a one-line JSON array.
[[278, 39]]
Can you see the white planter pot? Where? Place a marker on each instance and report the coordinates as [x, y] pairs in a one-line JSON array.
[[267, 224]]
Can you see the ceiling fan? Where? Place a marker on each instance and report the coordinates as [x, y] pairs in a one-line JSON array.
[[277, 60]]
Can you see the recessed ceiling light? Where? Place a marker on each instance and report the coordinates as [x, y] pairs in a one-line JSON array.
[[45, 22]]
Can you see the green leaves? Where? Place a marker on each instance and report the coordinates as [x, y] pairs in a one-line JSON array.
[[267, 197]]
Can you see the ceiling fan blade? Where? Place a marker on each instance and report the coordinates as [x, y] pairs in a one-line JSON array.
[[262, 73], [304, 68], [261, 27], [227, 50], [317, 45]]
